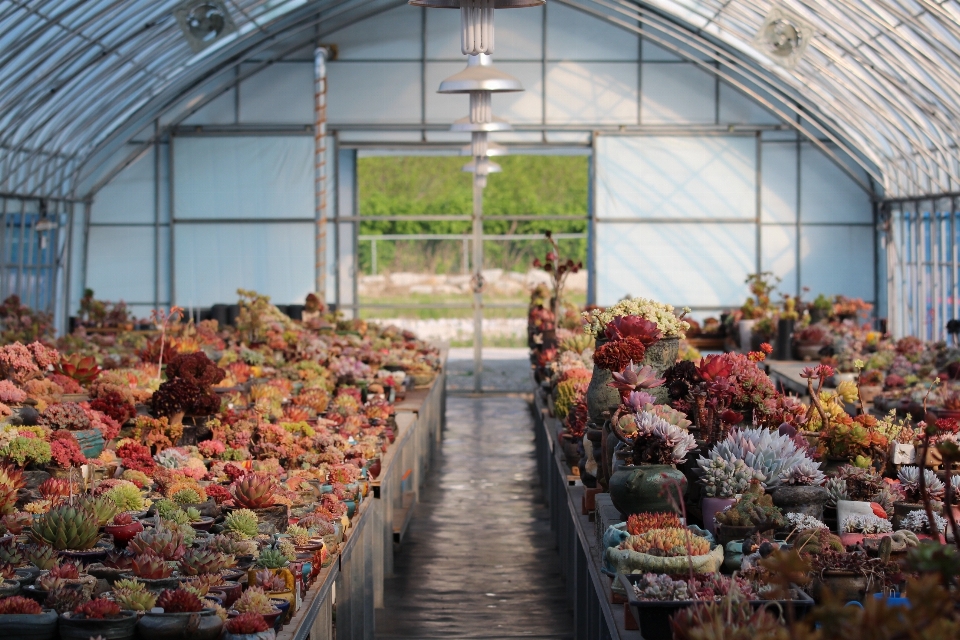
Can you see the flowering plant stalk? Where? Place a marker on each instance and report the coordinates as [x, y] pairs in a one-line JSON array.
[[558, 269]]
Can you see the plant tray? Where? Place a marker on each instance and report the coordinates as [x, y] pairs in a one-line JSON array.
[[653, 618]]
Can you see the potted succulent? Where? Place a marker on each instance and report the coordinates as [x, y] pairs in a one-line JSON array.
[[133, 595], [855, 528], [918, 522], [23, 618], [255, 491], [100, 617], [176, 612], [248, 626], [256, 600], [68, 528], [123, 528], [909, 477], [722, 481], [659, 542], [753, 512]]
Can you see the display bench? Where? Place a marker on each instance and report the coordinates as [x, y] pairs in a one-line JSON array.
[[352, 585], [596, 617]]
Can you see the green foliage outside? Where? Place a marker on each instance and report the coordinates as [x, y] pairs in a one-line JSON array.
[[422, 185]]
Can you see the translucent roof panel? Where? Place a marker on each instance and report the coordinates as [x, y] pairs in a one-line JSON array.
[[877, 86]]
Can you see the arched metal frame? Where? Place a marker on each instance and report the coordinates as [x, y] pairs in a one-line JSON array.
[[877, 89]]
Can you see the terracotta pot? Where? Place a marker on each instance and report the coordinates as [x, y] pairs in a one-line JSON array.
[[231, 592], [710, 507]]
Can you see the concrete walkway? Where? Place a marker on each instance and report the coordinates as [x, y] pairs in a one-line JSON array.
[[504, 370], [478, 561]]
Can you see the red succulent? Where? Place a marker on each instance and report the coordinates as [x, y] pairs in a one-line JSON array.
[[714, 367], [98, 609], [646, 331]]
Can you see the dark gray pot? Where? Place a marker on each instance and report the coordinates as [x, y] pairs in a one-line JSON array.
[[805, 500], [121, 628], [26, 626]]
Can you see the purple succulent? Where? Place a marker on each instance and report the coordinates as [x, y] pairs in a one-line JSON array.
[[634, 378], [637, 400]]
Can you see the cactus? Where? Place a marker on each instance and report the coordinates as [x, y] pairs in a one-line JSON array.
[[817, 541], [67, 528], [643, 522], [151, 567], [127, 498], [98, 609], [41, 556], [566, 394], [11, 481], [133, 595], [754, 509], [254, 491], [64, 598], [254, 600], [102, 507], [241, 524], [667, 542], [197, 562], [271, 558], [18, 605], [246, 624], [165, 542], [179, 601]]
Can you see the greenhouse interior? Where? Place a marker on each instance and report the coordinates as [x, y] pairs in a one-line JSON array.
[[550, 319]]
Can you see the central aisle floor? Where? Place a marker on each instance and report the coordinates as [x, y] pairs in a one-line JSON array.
[[478, 560]]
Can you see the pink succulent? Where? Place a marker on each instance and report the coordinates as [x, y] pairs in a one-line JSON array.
[[634, 378]]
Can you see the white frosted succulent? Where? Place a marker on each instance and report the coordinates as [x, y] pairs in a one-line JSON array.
[[909, 476], [672, 437], [837, 488], [773, 455], [724, 479], [670, 325], [806, 473], [868, 524], [918, 522], [803, 521], [660, 587]]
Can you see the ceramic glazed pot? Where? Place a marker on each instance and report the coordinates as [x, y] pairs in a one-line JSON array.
[[26, 626], [121, 628], [636, 489], [269, 634], [200, 625], [710, 508], [9, 588], [601, 397], [728, 533], [805, 500], [123, 533]]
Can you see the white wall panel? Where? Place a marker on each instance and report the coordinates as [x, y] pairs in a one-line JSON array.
[[373, 92], [676, 177], [663, 48], [214, 260], [220, 110], [280, 94], [778, 198], [391, 35], [516, 107], [779, 254], [120, 263], [824, 248], [826, 193], [682, 264], [677, 93], [591, 92], [252, 177], [575, 35], [130, 196]]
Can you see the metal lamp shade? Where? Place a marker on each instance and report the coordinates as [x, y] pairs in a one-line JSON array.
[[480, 75], [456, 4]]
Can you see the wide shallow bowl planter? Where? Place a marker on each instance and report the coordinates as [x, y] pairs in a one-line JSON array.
[[902, 509], [231, 592], [808, 351], [9, 588], [710, 507], [653, 617], [30, 626], [203, 524], [199, 625], [625, 561], [155, 584], [638, 488], [271, 618], [121, 628]]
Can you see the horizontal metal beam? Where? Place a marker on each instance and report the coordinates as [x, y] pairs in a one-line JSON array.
[[458, 218], [466, 236], [243, 221]]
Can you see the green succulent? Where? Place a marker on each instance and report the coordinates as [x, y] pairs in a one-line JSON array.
[[10, 552], [167, 509], [241, 524], [102, 507], [133, 595], [271, 558], [193, 514], [127, 498], [67, 528], [42, 556], [186, 496]]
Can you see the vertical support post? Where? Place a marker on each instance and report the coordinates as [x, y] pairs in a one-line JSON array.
[[465, 261], [20, 251], [758, 223], [67, 268], [157, 158], [373, 256], [320, 168], [4, 252], [592, 222], [954, 285], [173, 224], [477, 282]]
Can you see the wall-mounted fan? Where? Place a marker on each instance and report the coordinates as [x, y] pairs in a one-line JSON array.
[[204, 22], [784, 37]]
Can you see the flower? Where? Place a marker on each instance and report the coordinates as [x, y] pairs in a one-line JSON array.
[[766, 348]]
